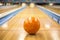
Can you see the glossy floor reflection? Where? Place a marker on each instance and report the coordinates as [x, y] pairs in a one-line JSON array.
[[13, 29], [34, 37]]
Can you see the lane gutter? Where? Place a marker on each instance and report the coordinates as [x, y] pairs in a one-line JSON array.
[[50, 13], [7, 17]]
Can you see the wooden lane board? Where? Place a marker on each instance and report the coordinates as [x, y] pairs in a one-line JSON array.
[[56, 10], [7, 9], [49, 29]]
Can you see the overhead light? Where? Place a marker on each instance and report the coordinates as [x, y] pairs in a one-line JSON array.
[[23, 4], [50, 4], [1, 4], [32, 5]]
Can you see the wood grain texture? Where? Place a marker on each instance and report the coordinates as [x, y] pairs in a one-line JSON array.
[[7, 9], [49, 29], [53, 8]]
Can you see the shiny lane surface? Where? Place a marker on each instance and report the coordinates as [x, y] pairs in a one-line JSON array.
[[55, 9], [13, 29], [6, 9]]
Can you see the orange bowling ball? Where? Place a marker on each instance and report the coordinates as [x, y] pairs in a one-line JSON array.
[[31, 25]]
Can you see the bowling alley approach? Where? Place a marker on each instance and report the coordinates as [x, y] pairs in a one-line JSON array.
[[29, 19]]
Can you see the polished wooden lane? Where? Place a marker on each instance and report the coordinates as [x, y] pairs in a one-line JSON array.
[[13, 29], [53, 8], [7, 9]]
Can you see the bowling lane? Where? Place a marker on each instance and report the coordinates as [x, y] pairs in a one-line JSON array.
[[13, 29], [54, 8], [7, 8]]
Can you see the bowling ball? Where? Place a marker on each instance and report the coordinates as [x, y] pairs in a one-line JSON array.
[[31, 25]]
